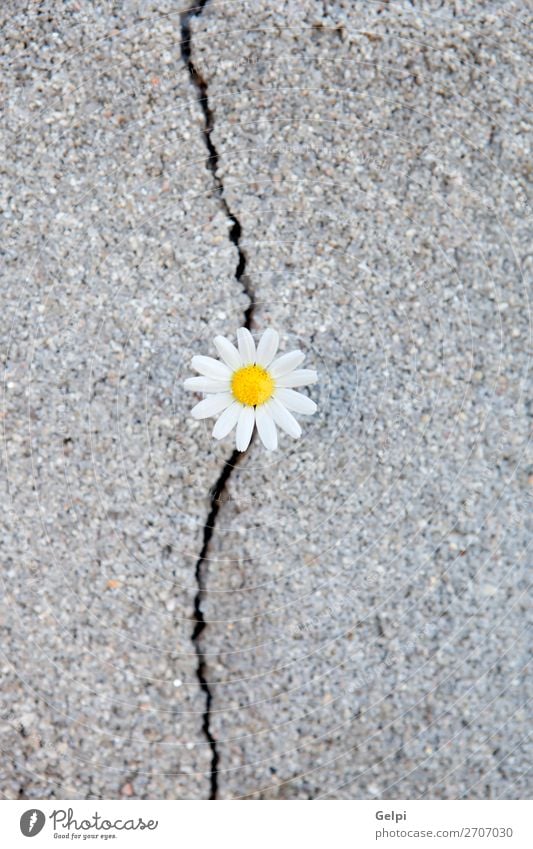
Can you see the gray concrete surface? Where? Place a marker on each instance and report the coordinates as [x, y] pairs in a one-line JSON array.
[[366, 587]]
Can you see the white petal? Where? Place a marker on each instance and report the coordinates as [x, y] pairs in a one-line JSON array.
[[206, 384], [268, 345], [286, 363], [245, 427], [246, 346], [212, 405], [227, 420], [295, 401], [283, 418], [228, 352], [299, 377], [211, 368], [266, 427]]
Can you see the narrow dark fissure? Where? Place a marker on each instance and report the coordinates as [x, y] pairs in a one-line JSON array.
[[201, 87], [216, 492], [199, 619]]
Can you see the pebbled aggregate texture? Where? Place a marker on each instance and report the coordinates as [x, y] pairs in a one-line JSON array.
[[365, 590]]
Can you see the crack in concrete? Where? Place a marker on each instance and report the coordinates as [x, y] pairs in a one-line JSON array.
[[200, 85], [217, 490], [199, 618]]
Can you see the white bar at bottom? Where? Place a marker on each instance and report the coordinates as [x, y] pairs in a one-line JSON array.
[[268, 824]]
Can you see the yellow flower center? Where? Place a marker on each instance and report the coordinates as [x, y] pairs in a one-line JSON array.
[[252, 385]]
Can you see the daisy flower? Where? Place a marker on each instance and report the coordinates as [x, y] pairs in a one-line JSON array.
[[250, 388]]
